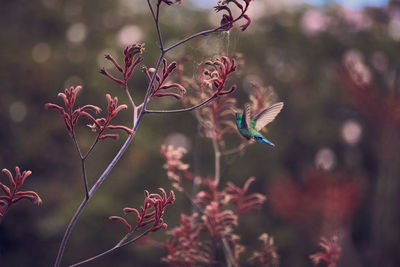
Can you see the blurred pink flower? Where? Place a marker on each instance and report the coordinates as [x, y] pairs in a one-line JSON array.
[[331, 253], [314, 22]]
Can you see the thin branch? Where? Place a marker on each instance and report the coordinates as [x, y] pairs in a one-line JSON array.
[[129, 95], [155, 17], [91, 192], [85, 183], [205, 102], [68, 231], [91, 147], [217, 156], [148, 91], [83, 165], [227, 250], [228, 253], [235, 150], [202, 33], [120, 244]]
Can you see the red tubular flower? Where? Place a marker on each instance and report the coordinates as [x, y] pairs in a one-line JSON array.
[[244, 203], [151, 212], [13, 195], [260, 98], [204, 198], [228, 19], [70, 115], [103, 124], [132, 58], [219, 72], [331, 254], [184, 247], [267, 255], [176, 169], [160, 87], [218, 223]]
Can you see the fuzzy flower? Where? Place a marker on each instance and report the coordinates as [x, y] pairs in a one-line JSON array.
[[160, 86], [331, 254], [205, 197], [215, 119], [176, 169], [260, 98], [103, 124], [218, 72], [267, 255], [71, 115], [13, 195], [132, 58], [244, 203], [218, 223], [151, 213], [228, 19], [184, 247]]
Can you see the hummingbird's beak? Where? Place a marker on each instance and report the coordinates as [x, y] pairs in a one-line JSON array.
[[234, 111]]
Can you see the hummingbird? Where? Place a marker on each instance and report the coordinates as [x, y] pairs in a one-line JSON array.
[[250, 127]]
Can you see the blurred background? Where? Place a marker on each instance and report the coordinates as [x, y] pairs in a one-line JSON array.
[[335, 168]]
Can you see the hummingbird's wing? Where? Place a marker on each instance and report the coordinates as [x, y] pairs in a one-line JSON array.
[[245, 124], [267, 115]]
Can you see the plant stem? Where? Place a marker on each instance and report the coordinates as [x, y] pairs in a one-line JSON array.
[[217, 155], [205, 102], [120, 244], [85, 183], [235, 150], [91, 193], [204, 33]]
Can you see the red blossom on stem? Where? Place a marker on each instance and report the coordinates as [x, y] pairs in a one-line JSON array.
[[160, 86], [151, 212], [331, 254], [244, 203], [218, 73], [132, 58], [228, 19], [103, 124], [13, 195], [261, 97], [176, 169], [205, 197], [267, 255], [218, 223], [70, 115], [185, 248]]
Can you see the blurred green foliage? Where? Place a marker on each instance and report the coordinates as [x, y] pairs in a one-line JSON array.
[[300, 50]]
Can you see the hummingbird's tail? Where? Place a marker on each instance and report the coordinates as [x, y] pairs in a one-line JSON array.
[[263, 140]]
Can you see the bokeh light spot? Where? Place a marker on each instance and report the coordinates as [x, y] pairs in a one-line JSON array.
[[325, 159], [17, 111], [178, 140], [77, 33], [351, 132], [129, 34], [41, 52]]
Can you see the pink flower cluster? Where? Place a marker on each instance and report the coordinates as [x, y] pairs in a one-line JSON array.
[[13, 195], [151, 212]]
